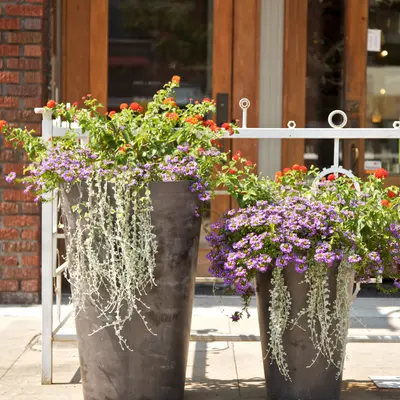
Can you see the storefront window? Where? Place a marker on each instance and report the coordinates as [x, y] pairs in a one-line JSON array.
[[383, 84], [152, 40]]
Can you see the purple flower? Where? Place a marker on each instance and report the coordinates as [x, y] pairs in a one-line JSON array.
[[354, 259], [10, 177]]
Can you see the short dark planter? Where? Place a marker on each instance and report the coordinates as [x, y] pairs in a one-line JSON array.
[[156, 368], [318, 382]]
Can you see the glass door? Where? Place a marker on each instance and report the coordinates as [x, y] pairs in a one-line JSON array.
[[150, 41]]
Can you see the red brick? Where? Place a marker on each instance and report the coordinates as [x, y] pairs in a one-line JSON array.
[[30, 261], [33, 24], [7, 234], [34, 127], [8, 50], [33, 77], [9, 77], [17, 168], [8, 286], [9, 23], [21, 220], [30, 234], [21, 116], [24, 63], [19, 247], [30, 208], [8, 208], [8, 102], [21, 273], [32, 51], [32, 103], [24, 90], [24, 37], [8, 155], [17, 195], [24, 10], [8, 261], [30, 286]]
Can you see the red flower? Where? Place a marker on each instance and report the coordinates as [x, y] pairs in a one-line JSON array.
[[136, 107], [214, 128], [123, 106], [51, 103], [172, 116], [214, 142], [88, 95], [2, 124], [176, 79], [192, 120], [206, 100], [75, 104], [286, 171], [385, 203], [296, 167], [227, 127], [331, 177], [303, 169], [201, 150], [381, 173], [391, 194], [111, 114], [209, 123], [122, 149], [231, 171], [237, 156], [248, 163], [170, 100], [199, 117]]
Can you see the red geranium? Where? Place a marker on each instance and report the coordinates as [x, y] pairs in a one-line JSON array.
[[123, 106], [303, 169], [286, 171], [296, 167], [248, 163], [331, 177], [136, 107], [231, 171], [227, 127], [111, 114], [237, 156], [385, 203], [176, 79], [381, 173], [391, 194], [51, 104], [2, 124]]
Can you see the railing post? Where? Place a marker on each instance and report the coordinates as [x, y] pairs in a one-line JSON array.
[[47, 273]]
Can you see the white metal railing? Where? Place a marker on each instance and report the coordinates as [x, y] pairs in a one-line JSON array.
[[57, 128]]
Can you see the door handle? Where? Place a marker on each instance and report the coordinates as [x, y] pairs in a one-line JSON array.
[[355, 153], [222, 106]]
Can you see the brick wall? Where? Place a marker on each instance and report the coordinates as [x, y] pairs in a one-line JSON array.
[[24, 49]]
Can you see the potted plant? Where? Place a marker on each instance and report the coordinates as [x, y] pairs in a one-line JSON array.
[[131, 201], [305, 242]]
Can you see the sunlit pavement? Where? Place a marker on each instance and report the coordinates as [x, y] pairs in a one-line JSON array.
[[216, 370]]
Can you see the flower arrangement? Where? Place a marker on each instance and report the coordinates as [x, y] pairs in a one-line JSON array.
[[129, 149], [308, 226]]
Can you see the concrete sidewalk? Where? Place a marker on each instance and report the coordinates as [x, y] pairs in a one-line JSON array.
[[217, 370]]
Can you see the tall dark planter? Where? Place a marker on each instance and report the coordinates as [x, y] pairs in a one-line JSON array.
[[156, 368], [315, 383]]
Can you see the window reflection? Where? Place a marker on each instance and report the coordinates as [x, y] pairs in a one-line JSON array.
[[383, 85], [325, 63], [152, 40]]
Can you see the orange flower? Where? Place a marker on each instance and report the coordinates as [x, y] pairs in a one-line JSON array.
[[303, 169], [192, 120], [51, 103], [296, 167], [391, 194], [331, 177], [385, 203], [111, 114], [286, 171], [170, 101], [199, 117], [173, 115], [2, 124], [176, 79], [123, 106], [381, 173]]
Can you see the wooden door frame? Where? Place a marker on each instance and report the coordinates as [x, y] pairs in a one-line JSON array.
[[295, 74]]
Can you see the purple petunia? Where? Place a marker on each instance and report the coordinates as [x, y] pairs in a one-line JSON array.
[[10, 177]]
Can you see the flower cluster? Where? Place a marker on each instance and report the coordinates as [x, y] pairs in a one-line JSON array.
[[164, 141]]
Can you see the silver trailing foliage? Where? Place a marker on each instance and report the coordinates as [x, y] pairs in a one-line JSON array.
[[111, 252]]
